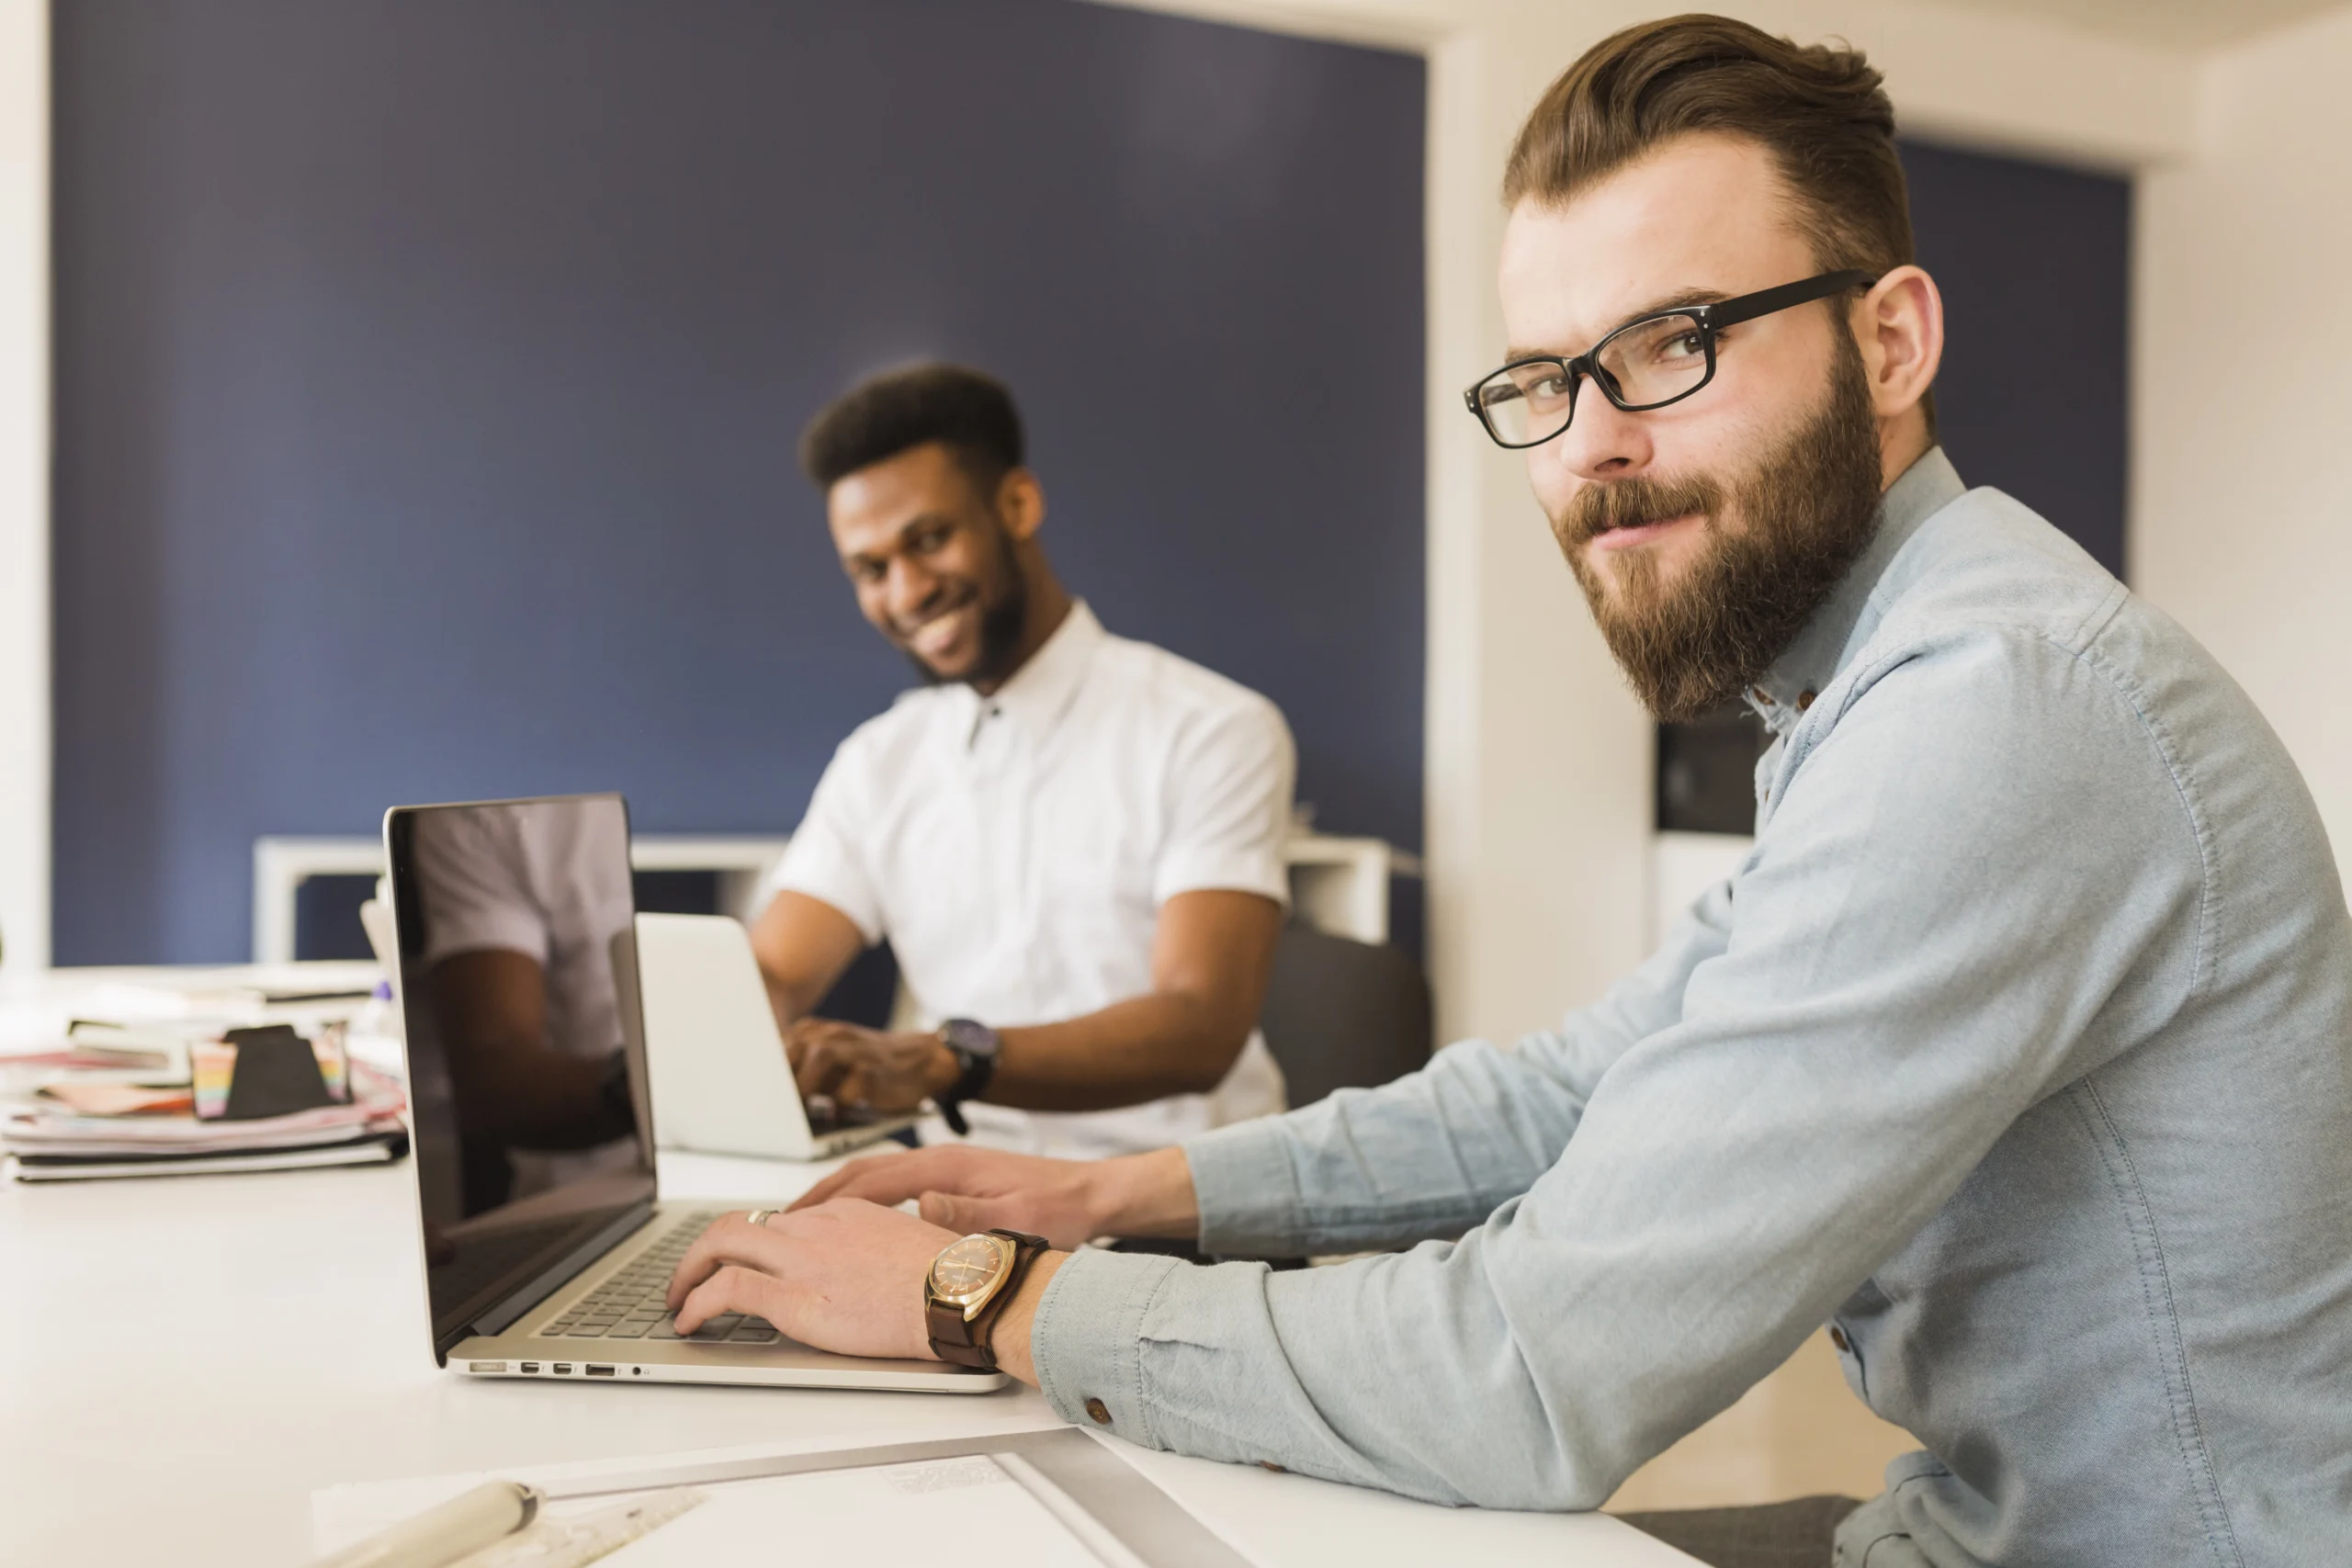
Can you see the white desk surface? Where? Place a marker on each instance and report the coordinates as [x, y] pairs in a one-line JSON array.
[[184, 1361]]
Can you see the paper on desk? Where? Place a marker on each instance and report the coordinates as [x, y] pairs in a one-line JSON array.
[[84, 1099], [1019, 1495], [36, 1129], [342, 1515], [901, 1513], [1246, 1513]]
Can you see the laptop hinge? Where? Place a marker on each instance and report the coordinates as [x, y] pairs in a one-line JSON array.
[[502, 1316]]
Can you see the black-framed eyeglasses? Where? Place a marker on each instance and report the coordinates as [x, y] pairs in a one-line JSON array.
[[1649, 362]]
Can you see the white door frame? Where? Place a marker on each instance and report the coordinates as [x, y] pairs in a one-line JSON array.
[[25, 727]]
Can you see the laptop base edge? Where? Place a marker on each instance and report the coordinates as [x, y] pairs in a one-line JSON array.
[[530, 1358]]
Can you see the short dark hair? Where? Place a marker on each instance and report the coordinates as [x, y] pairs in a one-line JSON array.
[[968, 413]]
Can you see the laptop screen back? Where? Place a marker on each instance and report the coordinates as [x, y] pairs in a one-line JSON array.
[[526, 1063]]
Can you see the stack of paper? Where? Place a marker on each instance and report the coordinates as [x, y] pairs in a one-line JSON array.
[[54, 1141]]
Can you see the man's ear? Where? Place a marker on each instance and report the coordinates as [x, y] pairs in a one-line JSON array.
[[1020, 504], [1899, 326]]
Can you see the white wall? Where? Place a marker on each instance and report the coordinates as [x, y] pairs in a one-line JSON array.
[[2241, 479], [24, 483]]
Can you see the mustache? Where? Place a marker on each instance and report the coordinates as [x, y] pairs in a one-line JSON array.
[[1629, 503]]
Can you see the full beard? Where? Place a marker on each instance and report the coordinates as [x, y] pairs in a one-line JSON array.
[[1810, 510], [1001, 625]]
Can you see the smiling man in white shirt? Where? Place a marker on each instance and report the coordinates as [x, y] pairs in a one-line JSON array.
[[1072, 841]]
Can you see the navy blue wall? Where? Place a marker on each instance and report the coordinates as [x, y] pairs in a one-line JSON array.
[[428, 372], [2034, 261]]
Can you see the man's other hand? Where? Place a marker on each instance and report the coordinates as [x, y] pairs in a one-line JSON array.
[[845, 1276], [868, 1069], [1069, 1202]]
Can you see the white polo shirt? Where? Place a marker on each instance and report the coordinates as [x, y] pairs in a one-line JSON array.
[[1015, 850]]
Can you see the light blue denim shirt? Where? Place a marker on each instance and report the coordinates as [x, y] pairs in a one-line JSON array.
[[2020, 1050]]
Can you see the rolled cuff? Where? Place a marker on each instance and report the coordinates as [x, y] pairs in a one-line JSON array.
[[1203, 870], [1087, 1339], [1247, 1190]]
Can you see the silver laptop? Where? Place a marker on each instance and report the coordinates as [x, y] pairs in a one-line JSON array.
[[546, 1252], [718, 1061]]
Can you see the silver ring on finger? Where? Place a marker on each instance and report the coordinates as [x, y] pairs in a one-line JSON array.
[[760, 1217]]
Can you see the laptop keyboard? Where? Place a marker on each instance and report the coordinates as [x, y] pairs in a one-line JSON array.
[[631, 1306]]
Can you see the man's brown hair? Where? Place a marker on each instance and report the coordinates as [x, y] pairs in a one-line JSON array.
[[1819, 112]]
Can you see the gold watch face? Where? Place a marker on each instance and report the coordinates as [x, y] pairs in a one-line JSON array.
[[966, 1272]]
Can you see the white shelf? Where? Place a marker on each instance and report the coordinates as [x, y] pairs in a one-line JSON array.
[[1339, 885]]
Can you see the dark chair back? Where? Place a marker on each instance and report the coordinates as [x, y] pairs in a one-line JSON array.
[[1343, 1014]]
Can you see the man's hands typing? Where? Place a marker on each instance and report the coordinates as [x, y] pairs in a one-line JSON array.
[[963, 1190], [843, 1275], [844, 1269]]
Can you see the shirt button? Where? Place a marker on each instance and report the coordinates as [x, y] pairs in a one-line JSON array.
[[1098, 1412], [1804, 701], [1761, 695], [1838, 1338]]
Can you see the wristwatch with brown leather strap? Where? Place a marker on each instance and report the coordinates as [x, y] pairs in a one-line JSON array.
[[967, 1287]]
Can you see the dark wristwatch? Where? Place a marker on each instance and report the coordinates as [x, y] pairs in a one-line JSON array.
[[965, 1291], [974, 1046]]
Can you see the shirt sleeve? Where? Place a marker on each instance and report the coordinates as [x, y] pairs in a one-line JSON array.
[[1435, 1152], [1980, 881], [826, 857], [1229, 788]]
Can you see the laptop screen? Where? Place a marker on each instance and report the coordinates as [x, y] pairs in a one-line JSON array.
[[526, 1063]]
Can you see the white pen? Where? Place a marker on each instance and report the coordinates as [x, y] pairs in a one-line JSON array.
[[439, 1536]]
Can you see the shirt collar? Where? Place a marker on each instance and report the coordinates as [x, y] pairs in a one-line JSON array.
[[1853, 612], [1034, 698]]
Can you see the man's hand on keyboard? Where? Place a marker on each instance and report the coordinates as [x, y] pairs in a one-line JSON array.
[[845, 1276], [1067, 1202]]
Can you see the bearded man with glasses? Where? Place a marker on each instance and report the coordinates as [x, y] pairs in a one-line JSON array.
[[2019, 1050]]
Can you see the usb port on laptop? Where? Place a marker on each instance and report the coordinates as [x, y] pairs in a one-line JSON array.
[[600, 1371]]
